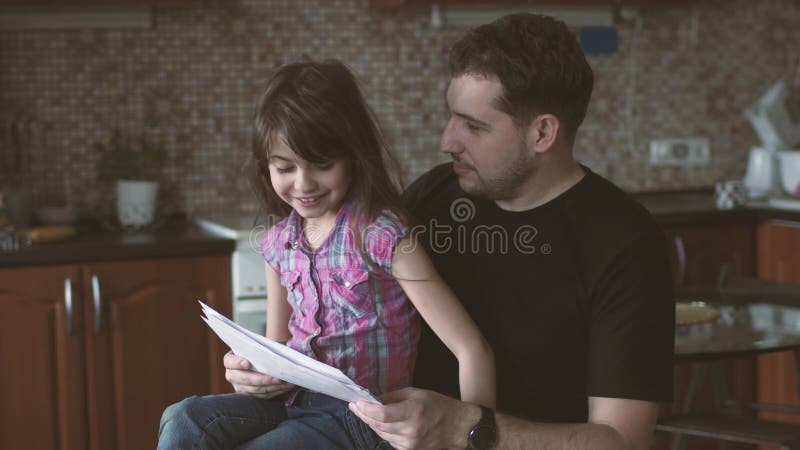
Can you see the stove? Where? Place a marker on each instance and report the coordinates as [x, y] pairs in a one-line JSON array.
[[247, 267]]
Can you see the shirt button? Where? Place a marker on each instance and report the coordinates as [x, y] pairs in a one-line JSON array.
[[346, 284]]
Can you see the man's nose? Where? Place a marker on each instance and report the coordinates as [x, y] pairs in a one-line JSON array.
[[448, 143]]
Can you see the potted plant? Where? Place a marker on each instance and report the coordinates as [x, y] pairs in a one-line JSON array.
[[135, 166]]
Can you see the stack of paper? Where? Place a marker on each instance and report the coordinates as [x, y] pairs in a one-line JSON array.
[[275, 359]]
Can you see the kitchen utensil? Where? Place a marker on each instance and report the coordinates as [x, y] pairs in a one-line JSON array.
[[17, 185], [760, 176], [730, 194], [790, 171], [687, 313], [9, 242], [50, 233], [776, 117], [8, 238], [57, 215]]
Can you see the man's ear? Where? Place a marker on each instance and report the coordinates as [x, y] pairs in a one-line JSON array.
[[542, 132]]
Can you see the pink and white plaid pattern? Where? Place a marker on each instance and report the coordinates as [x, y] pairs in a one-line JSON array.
[[347, 312]]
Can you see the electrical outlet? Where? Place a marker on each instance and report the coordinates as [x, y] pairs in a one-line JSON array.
[[680, 152]]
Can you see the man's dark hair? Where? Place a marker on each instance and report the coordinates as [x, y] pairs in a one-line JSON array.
[[539, 63]]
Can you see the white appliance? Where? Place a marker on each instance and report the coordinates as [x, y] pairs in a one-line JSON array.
[[776, 117], [761, 173], [247, 268], [790, 172]]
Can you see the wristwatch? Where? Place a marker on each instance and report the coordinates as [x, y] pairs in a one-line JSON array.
[[483, 435]]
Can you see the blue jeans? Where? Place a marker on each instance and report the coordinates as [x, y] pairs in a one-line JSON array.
[[315, 422]]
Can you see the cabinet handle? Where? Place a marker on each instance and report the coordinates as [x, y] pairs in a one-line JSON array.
[[68, 304], [98, 306], [681, 249]]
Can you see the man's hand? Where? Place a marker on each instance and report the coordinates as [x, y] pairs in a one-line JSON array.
[[246, 381], [418, 419]]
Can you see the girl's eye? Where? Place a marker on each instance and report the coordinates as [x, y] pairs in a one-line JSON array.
[[283, 169], [325, 166]]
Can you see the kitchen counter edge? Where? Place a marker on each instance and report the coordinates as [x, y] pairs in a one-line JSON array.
[[183, 242]]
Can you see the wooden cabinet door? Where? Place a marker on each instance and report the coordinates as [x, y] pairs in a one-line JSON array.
[[698, 252], [778, 260], [779, 251], [41, 359], [147, 346]]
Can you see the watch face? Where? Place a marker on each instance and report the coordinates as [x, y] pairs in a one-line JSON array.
[[482, 437]]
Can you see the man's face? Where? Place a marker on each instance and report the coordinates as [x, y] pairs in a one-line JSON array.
[[489, 151]]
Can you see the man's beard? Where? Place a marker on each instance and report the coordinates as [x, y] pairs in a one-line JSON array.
[[507, 183]]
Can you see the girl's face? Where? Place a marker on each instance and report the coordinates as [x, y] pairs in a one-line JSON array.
[[315, 191]]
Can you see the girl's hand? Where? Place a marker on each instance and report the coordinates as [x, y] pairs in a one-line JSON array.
[[238, 373]]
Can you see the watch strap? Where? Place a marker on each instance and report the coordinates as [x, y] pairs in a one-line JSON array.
[[484, 434]]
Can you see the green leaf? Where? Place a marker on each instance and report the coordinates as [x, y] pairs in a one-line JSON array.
[[141, 157]]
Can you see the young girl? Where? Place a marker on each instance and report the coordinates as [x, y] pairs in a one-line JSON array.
[[345, 279]]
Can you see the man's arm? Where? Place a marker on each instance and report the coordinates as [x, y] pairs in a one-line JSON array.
[[418, 419], [613, 424]]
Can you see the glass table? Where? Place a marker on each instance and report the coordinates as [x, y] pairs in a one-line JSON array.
[[749, 322]]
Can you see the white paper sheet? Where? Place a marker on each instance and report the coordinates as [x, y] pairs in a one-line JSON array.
[[275, 359]]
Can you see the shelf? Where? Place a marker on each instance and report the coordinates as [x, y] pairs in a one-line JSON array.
[[733, 428]]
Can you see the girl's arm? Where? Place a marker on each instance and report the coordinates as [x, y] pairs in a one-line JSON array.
[[443, 312], [278, 308]]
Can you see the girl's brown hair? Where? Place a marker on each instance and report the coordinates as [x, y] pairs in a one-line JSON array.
[[320, 112]]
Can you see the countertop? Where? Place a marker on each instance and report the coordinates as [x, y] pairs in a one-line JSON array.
[[183, 238], [179, 238], [700, 206]]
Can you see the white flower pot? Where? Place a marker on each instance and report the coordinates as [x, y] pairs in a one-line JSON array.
[[136, 202]]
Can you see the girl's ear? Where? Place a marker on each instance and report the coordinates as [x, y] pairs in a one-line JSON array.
[[542, 132]]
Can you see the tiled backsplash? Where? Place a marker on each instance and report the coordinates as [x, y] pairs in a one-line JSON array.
[[681, 71]]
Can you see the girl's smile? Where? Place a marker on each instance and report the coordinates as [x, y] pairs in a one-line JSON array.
[[309, 201], [315, 191]]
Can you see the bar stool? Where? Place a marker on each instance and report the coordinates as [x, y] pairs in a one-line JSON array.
[[727, 423]]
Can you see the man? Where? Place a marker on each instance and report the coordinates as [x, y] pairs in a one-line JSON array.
[[566, 276]]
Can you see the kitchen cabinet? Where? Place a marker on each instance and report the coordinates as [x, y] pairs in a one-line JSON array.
[[778, 260], [698, 251], [92, 353]]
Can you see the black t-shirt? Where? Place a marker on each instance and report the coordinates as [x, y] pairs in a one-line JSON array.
[[575, 296]]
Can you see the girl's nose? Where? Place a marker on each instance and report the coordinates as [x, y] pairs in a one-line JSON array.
[[304, 182]]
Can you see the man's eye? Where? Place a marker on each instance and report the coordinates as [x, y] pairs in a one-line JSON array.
[[472, 127]]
